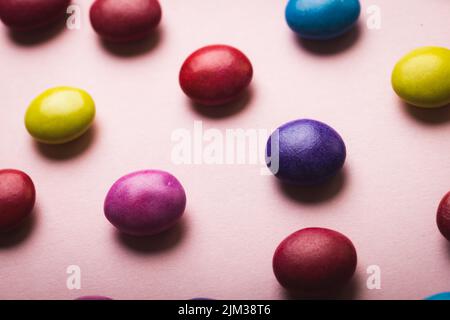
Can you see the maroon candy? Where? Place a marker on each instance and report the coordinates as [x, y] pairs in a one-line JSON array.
[[17, 197], [314, 260], [443, 216], [215, 75], [31, 14], [125, 20]]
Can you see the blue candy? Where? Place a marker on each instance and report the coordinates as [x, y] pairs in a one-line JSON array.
[[440, 296], [305, 152], [322, 19]]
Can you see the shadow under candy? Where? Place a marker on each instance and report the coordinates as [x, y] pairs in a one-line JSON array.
[[429, 116], [38, 36], [348, 292], [154, 244], [331, 46], [315, 194], [70, 149], [20, 233], [134, 48], [226, 110]]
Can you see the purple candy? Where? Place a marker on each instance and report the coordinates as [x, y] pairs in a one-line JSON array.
[[305, 152], [93, 298], [145, 203]]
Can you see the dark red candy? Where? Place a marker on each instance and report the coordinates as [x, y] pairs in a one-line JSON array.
[[314, 260], [32, 14], [215, 75], [17, 197], [443, 216], [125, 20]]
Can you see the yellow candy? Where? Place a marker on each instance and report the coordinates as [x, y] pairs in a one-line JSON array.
[[422, 77], [60, 115]]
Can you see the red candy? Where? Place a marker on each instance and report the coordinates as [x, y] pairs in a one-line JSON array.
[[125, 20], [31, 14], [215, 75], [314, 260], [17, 197], [443, 216]]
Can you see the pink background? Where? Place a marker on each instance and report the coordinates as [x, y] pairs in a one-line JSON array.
[[397, 171]]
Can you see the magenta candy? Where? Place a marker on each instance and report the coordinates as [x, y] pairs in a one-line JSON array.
[[32, 14], [125, 20], [145, 203], [314, 260], [215, 75], [443, 216]]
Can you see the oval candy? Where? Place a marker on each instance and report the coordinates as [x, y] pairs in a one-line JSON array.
[[322, 19], [422, 77], [439, 296], [314, 260], [32, 14], [125, 20], [60, 115], [215, 75], [17, 198], [443, 216], [145, 203], [305, 152]]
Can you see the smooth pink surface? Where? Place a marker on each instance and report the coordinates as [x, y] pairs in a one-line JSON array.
[[396, 173]]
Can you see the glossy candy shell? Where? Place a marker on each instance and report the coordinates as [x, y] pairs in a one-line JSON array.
[[125, 20], [322, 19], [215, 75], [60, 115], [17, 198], [145, 203], [422, 77]]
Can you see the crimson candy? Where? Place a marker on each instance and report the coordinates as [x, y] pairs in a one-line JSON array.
[[17, 197], [215, 75], [443, 216]]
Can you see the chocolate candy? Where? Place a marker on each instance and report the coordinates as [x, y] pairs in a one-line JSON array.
[[305, 152], [439, 296], [125, 20], [145, 203], [322, 19], [422, 77], [32, 14], [443, 216], [215, 75], [314, 260], [17, 197], [60, 115]]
